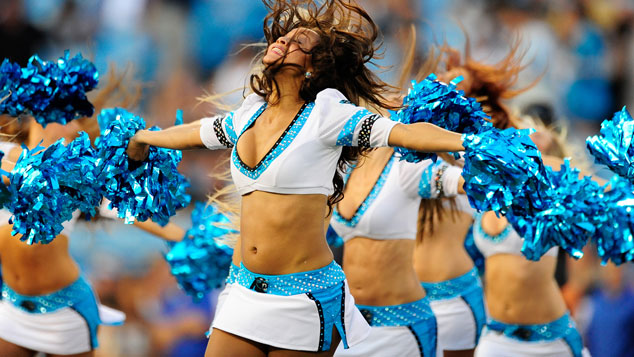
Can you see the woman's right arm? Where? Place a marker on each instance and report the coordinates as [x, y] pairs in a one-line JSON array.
[[180, 137]]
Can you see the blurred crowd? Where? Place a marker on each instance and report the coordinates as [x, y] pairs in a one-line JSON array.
[[180, 50]]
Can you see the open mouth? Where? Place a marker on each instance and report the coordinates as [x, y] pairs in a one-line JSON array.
[[278, 51]]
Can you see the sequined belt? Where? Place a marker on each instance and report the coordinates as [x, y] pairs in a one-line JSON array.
[[397, 315], [233, 274], [76, 292], [562, 328], [292, 284], [453, 288]]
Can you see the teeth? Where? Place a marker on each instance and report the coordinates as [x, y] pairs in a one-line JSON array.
[[277, 51]]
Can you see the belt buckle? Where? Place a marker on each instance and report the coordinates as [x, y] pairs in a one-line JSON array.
[[260, 285], [367, 315], [523, 333], [28, 305]]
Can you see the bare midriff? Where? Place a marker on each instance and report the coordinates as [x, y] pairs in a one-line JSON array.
[[36, 269], [380, 273], [519, 291], [440, 255], [283, 234]]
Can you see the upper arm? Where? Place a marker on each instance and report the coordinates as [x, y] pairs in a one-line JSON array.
[[439, 179], [218, 132]]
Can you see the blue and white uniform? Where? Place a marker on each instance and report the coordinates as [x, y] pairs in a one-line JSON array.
[[390, 211], [556, 338], [295, 311], [458, 303]]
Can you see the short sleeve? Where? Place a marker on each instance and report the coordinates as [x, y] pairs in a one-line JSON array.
[[439, 179], [218, 132], [342, 123], [6, 147]]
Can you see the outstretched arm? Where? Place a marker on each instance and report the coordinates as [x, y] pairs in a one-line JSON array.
[[180, 137], [425, 137]]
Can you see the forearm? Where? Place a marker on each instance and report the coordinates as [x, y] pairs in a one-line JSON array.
[[170, 232], [425, 137], [180, 137]]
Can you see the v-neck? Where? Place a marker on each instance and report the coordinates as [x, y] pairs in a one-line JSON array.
[[369, 199], [278, 147]]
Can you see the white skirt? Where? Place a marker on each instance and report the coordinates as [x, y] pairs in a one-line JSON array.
[[384, 341], [288, 322], [456, 325], [62, 332], [495, 344]]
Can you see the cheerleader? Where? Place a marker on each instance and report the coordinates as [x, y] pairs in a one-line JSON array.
[[441, 262], [287, 140]]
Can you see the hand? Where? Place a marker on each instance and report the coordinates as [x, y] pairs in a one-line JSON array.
[[137, 150]]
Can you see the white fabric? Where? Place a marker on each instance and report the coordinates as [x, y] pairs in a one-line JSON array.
[[384, 341], [308, 164], [110, 316], [462, 205], [511, 244], [289, 322], [61, 332], [6, 146], [456, 325], [495, 344]]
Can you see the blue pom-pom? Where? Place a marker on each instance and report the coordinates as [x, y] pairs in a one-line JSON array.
[[200, 262], [567, 218], [53, 92], [333, 239], [431, 101], [614, 238], [503, 168], [47, 186], [613, 146], [152, 189]]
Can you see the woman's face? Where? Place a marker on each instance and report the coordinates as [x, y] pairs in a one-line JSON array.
[[293, 48]]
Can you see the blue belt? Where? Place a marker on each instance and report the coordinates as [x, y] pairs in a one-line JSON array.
[[417, 316], [468, 287], [77, 296], [562, 328], [292, 284], [233, 274]]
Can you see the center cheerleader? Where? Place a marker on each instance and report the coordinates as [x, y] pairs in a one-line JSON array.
[[377, 221], [287, 140]]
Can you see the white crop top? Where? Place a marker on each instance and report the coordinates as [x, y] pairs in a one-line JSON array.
[[390, 211], [304, 159], [507, 242]]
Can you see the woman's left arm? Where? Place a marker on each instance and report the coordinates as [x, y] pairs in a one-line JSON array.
[[425, 137]]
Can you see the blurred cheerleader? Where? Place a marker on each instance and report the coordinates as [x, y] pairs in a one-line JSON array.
[[287, 140]]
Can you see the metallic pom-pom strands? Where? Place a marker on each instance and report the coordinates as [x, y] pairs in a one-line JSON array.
[[613, 146], [200, 262], [47, 186], [53, 92], [152, 189], [432, 101], [503, 168]]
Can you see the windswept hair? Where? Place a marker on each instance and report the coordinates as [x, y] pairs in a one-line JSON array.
[[347, 43]]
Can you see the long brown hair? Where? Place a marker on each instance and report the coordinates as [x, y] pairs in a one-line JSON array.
[[491, 85], [347, 43]]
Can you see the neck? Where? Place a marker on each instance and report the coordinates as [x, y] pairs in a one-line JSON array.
[[287, 92]]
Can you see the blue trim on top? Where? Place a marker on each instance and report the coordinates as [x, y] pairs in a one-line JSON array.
[[285, 140], [352, 222], [424, 186], [497, 238], [229, 128], [347, 133]]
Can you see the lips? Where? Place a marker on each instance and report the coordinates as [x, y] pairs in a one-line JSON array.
[[278, 50]]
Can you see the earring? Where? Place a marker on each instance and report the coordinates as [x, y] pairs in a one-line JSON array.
[[308, 75]]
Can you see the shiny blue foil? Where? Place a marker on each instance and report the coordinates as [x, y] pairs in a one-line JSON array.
[[614, 239], [567, 218], [200, 262], [504, 170], [613, 146], [434, 102], [52, 92], [152, 189], [47, 186]]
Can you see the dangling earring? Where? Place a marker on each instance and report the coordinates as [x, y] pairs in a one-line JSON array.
[[308, 74]]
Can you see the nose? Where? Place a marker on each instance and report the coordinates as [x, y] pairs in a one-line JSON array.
[[283, 40]]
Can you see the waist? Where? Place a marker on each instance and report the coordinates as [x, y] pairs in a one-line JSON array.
[[452, 288], [68, 296], [291, 284], [560, 328], [397, 315]]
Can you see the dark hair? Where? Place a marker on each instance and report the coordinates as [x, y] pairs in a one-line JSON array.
[[347, 37]]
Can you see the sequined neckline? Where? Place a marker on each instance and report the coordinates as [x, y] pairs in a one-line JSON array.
[[367, 202], [496, 238], [280, 145]]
